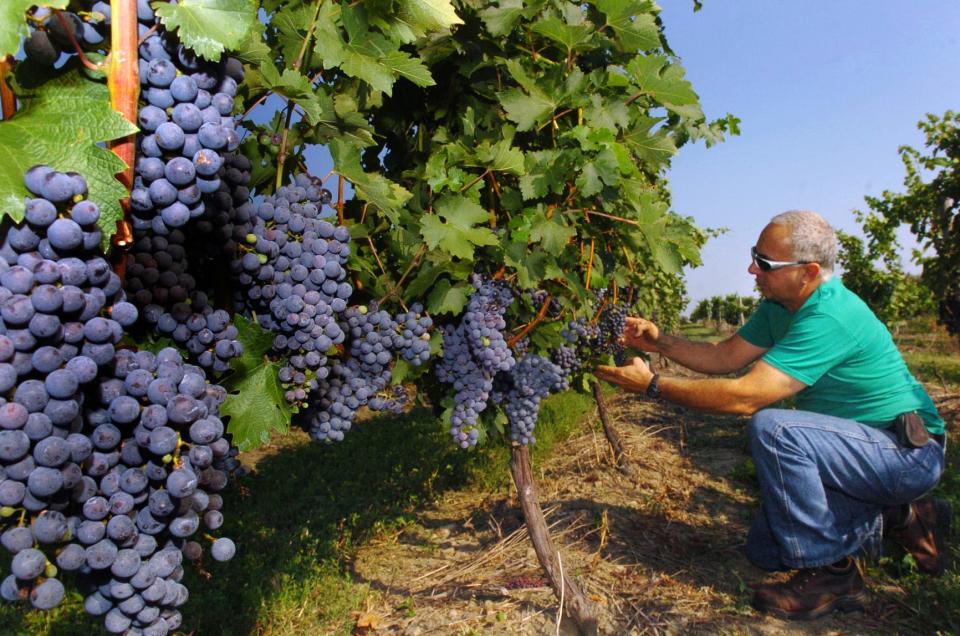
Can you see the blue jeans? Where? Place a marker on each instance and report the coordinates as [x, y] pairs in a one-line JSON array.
[[824, 482]]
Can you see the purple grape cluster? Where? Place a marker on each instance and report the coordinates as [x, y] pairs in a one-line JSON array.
[[188, 189], [291, 274], [113, 457], [118, 496], [362, 377], [532, 379], [50, 35], [473, 352]]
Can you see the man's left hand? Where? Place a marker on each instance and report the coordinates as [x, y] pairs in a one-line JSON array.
[[635, 375]]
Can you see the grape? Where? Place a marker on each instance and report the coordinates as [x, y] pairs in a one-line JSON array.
[[40, 49], [47, 595], [50, 527], [223, 549], [28, 564]]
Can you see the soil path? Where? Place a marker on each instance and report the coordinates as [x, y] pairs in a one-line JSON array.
[[658, 551]]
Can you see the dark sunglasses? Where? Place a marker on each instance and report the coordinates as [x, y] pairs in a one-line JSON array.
[[766, 265]]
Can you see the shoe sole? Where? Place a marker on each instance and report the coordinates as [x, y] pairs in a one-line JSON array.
[[853, 603], [944, 513]]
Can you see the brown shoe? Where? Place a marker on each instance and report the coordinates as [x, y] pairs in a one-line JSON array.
[[814, 592], [924, 534]]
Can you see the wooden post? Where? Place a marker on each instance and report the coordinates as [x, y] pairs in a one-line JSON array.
[[575, 604], [610, 431]]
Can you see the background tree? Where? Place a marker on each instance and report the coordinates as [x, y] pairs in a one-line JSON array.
[[929, 207]]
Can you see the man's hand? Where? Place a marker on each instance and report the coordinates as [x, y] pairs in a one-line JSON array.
[[641, 334], [635, 375]]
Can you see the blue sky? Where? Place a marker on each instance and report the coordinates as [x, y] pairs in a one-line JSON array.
[[826, 92]]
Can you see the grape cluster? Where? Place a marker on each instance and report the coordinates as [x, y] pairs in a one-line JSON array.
[[362, 378], [186, 126], [92, 437], [613, 319], [473, 352], [290, 274], [50, 35], [532, 379], [188, 189]]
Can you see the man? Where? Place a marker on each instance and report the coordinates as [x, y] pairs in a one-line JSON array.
[[838, 472]]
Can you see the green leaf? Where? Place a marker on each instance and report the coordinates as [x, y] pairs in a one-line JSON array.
[[500, 157], [294, 86], [588, 181], [551, 233], [404, 65], [448, 299], [429, 15], [208, 27], [501, 19], [255, 401], [373, 58], [531, 265], [632, 22], [526, 110], [654, 150], [378, 191], [60, 124], [256, 406], [610, 114], [13, 23], [662, 80], [569, 36], [452, 227]]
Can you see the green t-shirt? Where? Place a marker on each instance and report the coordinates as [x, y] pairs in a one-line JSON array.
[[837, 347]]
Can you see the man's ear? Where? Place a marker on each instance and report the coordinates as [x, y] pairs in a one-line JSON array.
[[811, 271]]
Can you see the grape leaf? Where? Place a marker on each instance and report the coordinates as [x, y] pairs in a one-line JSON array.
[[526, 110], [209, 26], [255, 402], [570, 36], [456, 233], [447, 298], [662, 80], [501, 156], [13, 25], [255, 405], [429, 15], [632, 23], [59, 124], [551, 233], [654, 150], [294, 86], [500, 20], [375, 189]]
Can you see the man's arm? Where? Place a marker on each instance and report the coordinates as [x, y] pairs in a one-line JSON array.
[[761, 386], [727, 356], [718, 358]]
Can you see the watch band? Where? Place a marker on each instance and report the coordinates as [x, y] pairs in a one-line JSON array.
[[653, 389]]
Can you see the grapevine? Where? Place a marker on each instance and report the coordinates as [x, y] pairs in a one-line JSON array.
[[498, 207]]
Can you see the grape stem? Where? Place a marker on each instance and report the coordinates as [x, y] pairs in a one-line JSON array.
[[593, 246], [340, 198], [415, 261], [73, 42], [533, 323], [474, 182], [8, 100], [588, 212]]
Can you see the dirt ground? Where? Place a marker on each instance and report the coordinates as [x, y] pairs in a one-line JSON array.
[[658, 551]]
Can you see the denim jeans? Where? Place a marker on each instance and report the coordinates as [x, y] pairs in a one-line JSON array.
[[824, 482]]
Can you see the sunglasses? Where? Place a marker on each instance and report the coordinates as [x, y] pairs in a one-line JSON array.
[[766, 265]]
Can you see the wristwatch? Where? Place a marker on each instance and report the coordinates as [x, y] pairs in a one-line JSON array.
[[653, 389]]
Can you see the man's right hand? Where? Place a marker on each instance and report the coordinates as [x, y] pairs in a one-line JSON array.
[[641, 334]]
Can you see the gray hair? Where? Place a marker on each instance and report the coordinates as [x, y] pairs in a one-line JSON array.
[[811, 237]]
